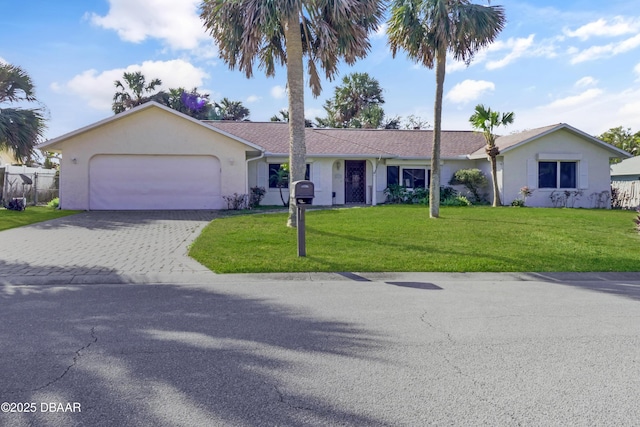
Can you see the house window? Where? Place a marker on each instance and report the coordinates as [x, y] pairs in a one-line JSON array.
[[273, 175], [557, 174], [393, 175], [414, 178]]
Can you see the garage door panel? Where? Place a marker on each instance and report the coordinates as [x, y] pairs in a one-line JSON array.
[[139, 182]]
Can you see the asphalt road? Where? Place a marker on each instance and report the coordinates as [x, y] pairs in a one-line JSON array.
[[396, 350]]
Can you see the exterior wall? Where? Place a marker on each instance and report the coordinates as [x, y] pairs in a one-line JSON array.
[[151, 131], [326, 175], [6, 158], [520, 167]]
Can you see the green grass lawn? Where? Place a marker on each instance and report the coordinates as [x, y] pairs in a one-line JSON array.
[[403, 238], [12, 219]]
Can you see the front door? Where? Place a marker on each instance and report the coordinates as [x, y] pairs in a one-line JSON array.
[[355, 181]]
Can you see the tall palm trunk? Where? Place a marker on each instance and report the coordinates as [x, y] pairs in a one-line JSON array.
[[493, 152], [434, 188], [295, 82]]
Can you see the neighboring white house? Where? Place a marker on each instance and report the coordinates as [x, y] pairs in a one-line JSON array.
[[625, 179], [152, 157]]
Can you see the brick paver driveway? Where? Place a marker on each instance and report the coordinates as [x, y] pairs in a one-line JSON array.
[[95, 246]]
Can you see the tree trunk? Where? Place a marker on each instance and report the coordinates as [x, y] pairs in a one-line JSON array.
[[434, 188], [494, 178], [295, 83]]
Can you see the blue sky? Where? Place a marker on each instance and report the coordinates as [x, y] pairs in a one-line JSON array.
[[575, 61]]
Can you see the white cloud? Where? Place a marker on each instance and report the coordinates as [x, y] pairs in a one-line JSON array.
[[98, 88], [2, 60], [604, 51], [637, 70], [253, 98], [618, 26], [381, 32], [515, 48], [575, 100], [174, 22], [586, 82], [469, 90], [278, 92]]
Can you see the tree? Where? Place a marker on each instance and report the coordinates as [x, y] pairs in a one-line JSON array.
[[284, 117], [473, 179], [20, 128], [486, 120], [191, 103], [427, 30], [135, 91], [281, 180], [623, 139], [416, 122], [285, 32], [356, 103], [231, 110]]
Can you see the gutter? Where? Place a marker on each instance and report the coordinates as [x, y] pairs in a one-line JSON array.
[[246, 176]]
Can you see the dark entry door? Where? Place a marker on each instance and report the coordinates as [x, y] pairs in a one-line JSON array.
[[355, 181]]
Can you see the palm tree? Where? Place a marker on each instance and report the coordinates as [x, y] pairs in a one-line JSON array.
[[427, 30], [231, 110], [486, 120], [20, 128], [285, 32], [136, 92], [355, 103]]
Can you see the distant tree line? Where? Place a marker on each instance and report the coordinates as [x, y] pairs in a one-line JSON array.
[[134, 90]]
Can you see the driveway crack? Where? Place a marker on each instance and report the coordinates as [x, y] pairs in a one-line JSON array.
[[77, 355]]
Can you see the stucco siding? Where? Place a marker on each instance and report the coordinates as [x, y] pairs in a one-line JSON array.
[[520, 169], [149, 131]]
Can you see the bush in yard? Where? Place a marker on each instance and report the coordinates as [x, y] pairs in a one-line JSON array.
[[395, 194], [257, 193], [237, 201], [55, 203], [637, 221], [456, 201], [474, 180]]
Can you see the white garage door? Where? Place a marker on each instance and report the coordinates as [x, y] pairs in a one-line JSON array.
[[132, 182]]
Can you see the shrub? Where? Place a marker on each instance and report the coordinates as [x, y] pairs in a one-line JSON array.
[[456, 201], [637, 221], [473, 179], [237, 201], [395, 194], [256, 196], [55, 203], [518, 203]]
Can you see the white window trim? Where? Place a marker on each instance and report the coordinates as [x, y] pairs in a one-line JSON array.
[[426, 174]]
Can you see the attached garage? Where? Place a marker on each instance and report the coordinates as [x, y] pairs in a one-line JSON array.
[[151, 158], [147, 182]]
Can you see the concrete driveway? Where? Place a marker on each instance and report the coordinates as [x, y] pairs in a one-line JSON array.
[[103, 247]]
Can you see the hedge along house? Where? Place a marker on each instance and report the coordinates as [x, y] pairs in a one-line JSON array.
[[152, 157]]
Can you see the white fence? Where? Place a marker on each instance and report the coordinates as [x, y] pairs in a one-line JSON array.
[[37, 185], [626, 194]]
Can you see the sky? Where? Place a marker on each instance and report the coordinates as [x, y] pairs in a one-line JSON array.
[[574, 61]]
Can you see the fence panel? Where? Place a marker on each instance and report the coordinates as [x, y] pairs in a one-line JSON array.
[[625, 194], [38, 186]]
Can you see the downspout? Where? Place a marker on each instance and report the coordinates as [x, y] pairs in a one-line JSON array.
[[374, 191], [246, 176]]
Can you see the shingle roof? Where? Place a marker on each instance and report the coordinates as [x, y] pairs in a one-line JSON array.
[[274, 138]]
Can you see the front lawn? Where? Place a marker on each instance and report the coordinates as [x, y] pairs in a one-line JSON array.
[[403, 238], [12, 219]]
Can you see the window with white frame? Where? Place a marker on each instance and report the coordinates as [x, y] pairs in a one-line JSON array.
[[414, 177], [408, 177], [557, 174], [278, 179]]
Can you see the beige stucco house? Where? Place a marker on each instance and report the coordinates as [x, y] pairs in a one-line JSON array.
[[152, 157]]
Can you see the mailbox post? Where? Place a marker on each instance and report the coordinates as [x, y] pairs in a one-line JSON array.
[[303, 194]]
